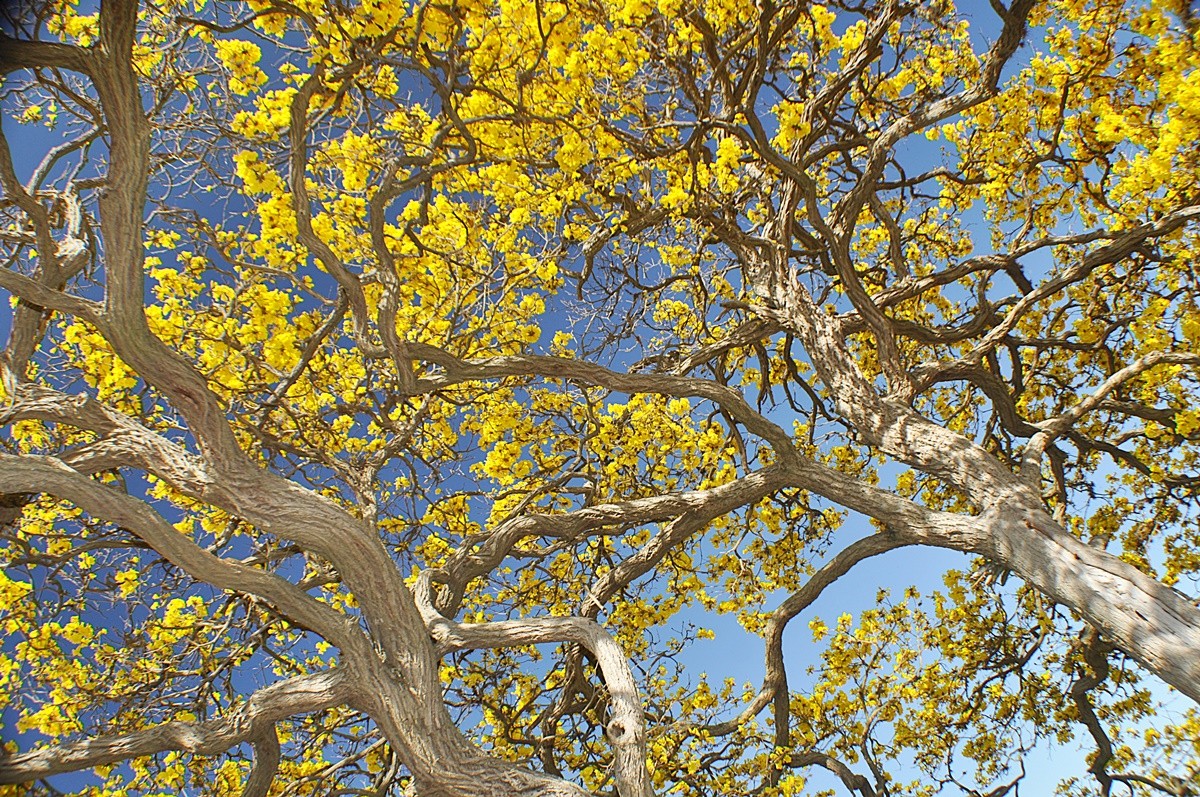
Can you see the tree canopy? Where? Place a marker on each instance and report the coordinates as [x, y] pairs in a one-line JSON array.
[[394, 391]]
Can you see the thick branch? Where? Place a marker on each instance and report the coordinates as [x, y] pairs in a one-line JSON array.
[[123, 441], [1151, 622], [122, 206], [22, 54], [266, 763], [35, 474], [852, 780], [626, 728], [248, 722]]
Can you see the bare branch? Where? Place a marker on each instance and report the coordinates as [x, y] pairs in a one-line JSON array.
[[266, 763], [34, 293], [852, 780]]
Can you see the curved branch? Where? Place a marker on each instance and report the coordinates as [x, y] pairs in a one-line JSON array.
[[691, 509], [57, 263], [626, 729], [749, 332], [123, 441], [1095, 657], [251, 721], [775, 680], [35, 293], [350, 284], [122, 206], [1119, 246], [38, 474], [1054, 427], [995, 388], [775, 688], [1150, 621], [887, 422], [266, 763], [734, 403], [267, 501], [852, 780], [23, 54], [749, 490]]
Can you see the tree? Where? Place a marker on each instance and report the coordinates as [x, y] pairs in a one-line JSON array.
[[390, 389]]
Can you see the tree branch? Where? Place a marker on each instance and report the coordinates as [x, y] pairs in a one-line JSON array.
[[775, 685], [734, 403], [626, 728], [747, 491], [37, 474], [1054, 427], [692, 508], [852, 780], [251, 721], [266, 762], [24, 54]]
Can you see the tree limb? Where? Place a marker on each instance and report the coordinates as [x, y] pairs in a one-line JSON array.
[[250, 721], [37, 474], [626, 728]]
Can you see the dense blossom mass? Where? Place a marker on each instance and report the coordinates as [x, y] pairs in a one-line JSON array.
[[397, 395]]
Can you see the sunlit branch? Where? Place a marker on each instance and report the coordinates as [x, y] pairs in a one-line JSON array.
[[459, 371], [267, 755], [774, 690], [35, 474], [251, 721], [34, 293], [123, 438], [852, 780], [693, 509], [626, 729], [1055, 427], [745, 492]]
